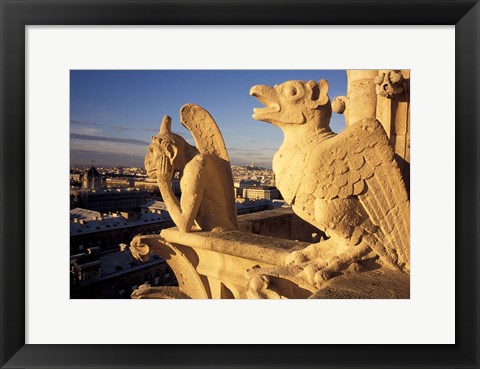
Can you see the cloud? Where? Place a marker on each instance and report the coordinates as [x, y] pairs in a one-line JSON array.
[[83, 123], [100, 108], [83, 157], [86, 131], [244, 150], [242, 161], [76, 136]]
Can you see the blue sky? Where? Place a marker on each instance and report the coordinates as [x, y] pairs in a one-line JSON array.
[[114, 113]]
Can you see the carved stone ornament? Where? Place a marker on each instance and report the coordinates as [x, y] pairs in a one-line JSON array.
[[389, 84]]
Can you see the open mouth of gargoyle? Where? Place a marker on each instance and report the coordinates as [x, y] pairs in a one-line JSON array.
[[266, 95]]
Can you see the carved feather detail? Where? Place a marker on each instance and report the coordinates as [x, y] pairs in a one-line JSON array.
[[210, 143], [363, 165], [204, 130]]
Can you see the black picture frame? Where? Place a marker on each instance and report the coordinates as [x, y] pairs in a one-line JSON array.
[[15, 15]]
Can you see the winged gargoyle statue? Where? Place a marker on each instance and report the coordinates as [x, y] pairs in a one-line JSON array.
[[206, 178], [347, 185]]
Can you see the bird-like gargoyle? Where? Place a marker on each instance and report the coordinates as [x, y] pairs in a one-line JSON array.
[[347, 185]]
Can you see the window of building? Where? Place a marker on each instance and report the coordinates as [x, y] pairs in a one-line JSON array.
[[159, 277]]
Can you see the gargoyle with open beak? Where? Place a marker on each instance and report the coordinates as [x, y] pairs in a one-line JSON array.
[[348, 185]]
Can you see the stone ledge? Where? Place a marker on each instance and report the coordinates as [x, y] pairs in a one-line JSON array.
[[375, 284], [260, 248], [159, 292]]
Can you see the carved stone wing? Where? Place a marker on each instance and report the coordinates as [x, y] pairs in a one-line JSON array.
[[360, 162], [209, 141], [204, 130]]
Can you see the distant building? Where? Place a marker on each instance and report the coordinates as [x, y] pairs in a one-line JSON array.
[[91, 179], [109, 200], [263, 192], [120, 182], [115, 274], [243, 183], [108, 231], [85, 214], [75, 177], [151, 186], [252, 166], [246, 206], [155, 206]]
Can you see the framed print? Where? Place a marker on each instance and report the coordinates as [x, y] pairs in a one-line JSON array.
[[51, 49]]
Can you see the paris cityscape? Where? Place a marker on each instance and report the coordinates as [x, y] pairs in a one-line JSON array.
[[113, 115], [167, 205], [110, 205]]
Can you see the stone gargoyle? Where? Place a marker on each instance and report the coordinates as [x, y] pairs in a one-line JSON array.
[[207, 201], [347, 185], [206, 180]]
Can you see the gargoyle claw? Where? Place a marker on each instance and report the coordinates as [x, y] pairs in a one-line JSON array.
[[295, 258], [139, 250]]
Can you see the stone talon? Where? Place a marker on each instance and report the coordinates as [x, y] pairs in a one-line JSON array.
[[295, 258], [310, 271], [320, 278]]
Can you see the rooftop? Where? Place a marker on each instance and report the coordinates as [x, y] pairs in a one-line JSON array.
[[86, 214], [108, 222]]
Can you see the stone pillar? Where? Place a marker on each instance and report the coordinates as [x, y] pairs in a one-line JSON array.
[[393, 111], [384, 95], [362, 96]]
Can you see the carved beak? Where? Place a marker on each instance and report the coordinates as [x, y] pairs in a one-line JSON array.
[[268, 97]]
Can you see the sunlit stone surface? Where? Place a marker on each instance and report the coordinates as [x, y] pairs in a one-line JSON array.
[[350, 186]]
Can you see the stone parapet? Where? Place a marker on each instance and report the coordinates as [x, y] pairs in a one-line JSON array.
[[240, 265], [261, 249], [216, 264]]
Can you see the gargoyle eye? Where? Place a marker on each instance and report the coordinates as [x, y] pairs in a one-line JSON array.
[[291, 91]]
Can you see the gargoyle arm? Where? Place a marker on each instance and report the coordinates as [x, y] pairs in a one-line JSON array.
[[183, 212]]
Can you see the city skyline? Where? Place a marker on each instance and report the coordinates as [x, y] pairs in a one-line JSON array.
[[114, 113]]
